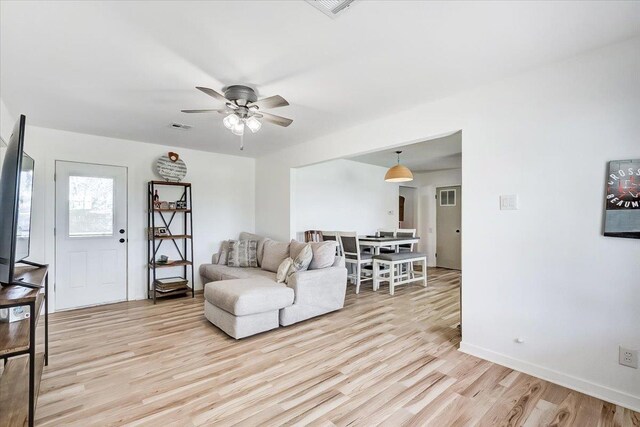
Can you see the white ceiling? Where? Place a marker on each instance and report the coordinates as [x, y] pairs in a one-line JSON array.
[[125, 69], [428, 156]]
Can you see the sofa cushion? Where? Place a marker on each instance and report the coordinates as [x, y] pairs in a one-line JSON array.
[[243, 253], [214, 272], [283, 270], [324, 254], [274, 254], [261, 239], [248, 296], [223, 254]]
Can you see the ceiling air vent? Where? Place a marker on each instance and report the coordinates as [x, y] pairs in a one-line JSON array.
[[180, 126], [331, 8]]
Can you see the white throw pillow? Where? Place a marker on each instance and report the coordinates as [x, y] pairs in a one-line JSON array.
[[301, 262], [283, 270]]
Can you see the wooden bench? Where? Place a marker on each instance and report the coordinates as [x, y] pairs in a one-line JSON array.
[[388, 268]]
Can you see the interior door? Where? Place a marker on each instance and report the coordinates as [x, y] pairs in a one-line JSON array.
[[91, 234], [448, 223]]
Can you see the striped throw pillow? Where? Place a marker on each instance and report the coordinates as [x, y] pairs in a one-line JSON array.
[[243, 253]]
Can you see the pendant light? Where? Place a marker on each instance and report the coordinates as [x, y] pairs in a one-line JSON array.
[[398, 173]]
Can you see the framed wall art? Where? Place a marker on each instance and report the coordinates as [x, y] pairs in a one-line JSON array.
[[622, 201]]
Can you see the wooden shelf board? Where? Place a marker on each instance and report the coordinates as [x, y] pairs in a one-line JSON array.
[[182, 290], [171, 210], [175, 236], [18, 295], [14, 390], [180, 184], [14, 336], [173, 264]]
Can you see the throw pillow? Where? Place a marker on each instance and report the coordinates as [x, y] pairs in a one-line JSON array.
[[223, 253], [301, 261], [274, 254], [283, 269], [243, 253], [324, 254], [295, 247], [250, 236]]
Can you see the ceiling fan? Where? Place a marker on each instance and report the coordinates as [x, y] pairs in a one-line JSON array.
[[243, 108]]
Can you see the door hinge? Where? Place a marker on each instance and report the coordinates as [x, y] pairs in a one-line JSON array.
[[436, 197], [436, 255], [54, 232]]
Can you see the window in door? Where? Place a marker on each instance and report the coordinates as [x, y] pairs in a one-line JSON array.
[[447, 197], [90, 206]]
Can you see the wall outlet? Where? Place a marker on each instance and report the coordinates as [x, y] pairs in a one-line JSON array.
[[628, 357], [509, 202]]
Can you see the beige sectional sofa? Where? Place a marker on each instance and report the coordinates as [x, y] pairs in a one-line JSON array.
[[246, 301]]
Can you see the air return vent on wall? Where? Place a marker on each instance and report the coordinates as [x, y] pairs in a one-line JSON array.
[[331, 8]]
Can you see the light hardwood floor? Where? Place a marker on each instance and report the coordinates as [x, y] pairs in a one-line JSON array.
[[380, 361]]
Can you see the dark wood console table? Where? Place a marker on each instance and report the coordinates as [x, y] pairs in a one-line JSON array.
[[20, 380]]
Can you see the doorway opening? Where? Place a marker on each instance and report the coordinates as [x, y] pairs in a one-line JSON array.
[[90, 234]]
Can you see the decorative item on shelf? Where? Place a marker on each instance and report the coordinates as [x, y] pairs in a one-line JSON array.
[[172, 205], [181, 204], [622, 202], [156, 200], [171, 167], [157, 232], [164, 205], [171, 284], [162, 259]]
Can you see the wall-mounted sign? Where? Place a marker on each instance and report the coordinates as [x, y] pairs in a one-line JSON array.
[[171, 167], [622, 203]]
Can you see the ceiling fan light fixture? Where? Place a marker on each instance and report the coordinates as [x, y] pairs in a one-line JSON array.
[[253, 124], [398, 173], [230, 121], [238, 129]]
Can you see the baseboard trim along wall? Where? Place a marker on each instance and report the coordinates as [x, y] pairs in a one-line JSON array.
[[574, 383]]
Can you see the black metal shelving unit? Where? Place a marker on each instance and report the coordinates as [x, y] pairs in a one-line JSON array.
[[182, 242]]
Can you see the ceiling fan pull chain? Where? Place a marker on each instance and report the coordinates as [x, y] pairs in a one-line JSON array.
[[242, 142]]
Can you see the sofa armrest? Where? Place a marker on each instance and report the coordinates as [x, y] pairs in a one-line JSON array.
[[325, 287]]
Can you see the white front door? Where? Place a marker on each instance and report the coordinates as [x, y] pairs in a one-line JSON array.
[[91, 234]]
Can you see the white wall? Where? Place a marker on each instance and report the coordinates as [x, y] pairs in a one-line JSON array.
[[223, 193], [343, 195], [427, 183], [545, 272], [6, 121]]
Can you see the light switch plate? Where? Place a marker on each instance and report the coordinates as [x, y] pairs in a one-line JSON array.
[[508, 202]]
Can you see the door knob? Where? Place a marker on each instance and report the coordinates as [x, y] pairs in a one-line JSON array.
[[457, 231], [121, 240], [122, 231]]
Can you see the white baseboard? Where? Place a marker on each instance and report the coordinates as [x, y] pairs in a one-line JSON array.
[[601, 392]]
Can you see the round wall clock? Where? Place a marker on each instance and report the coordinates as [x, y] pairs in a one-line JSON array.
[[170, 169]]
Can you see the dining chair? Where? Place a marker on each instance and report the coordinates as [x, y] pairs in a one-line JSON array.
[[333, 236], [387, 233], [406, 232], [409, 247], [355, 258]]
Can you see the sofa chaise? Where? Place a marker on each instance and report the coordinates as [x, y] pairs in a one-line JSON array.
[[248, 300]]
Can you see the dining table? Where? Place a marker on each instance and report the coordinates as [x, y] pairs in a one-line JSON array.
[[377, 242]]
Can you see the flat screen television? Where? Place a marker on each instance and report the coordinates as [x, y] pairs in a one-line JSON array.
[[16, 189]]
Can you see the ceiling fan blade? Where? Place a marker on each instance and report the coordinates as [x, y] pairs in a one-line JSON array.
[[204, 111], [276, 120], [270, 102], [212, 93]]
